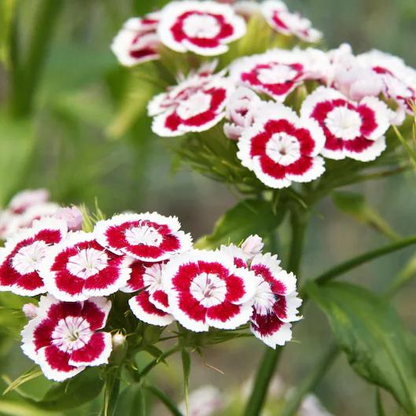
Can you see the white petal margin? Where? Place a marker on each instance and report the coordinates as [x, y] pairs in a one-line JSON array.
[[279, 337], [293, 303], [246, 311], [104, 305], [382, 115], [102, 358], [173, 10], [147, 317], [369, 154]]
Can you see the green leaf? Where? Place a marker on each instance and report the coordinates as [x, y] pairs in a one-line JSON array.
[[248, 217], [371, 334], [12, 408], [355, 205], [29, 375], [406, 275], [131, 401], [16, 145], [7, 11], [186, 368], [165, 399], [74, 392], [111, 391]]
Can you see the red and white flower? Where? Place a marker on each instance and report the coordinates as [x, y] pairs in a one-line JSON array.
[[204, 28], [281, 148], [195, 105], [283, 21], [276, 301], [79, 268], [28, 198], [151, 305], [354, 130], [278, 72], [241, 111], [23, 254], [64, 337], [205, 289], [149, 237], [137, 42]]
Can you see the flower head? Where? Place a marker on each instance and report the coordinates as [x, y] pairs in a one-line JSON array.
[[151, 305], [278, 72], [63, 338], [290, 24], [281, 148], [205, 289], [72, 216], [354, 130], [252, 246], [195, 105], [79, 268], [149, 237], [204, 28], [28, 198], [24, 253], [275, 301], [137, 42]]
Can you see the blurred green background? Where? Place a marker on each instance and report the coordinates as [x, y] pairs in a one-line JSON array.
[[90, 138]]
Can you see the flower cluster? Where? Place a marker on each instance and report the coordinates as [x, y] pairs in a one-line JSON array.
[[152, 261], [287, 109]]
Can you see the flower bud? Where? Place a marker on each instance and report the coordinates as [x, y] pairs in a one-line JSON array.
[[30, 310], [252, 246], [72, 216]]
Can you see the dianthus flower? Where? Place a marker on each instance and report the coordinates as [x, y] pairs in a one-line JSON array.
[[79, 268], [283, 21], [23, 254], [148, 237], [195, 105], [354, 130], [205, 289], [281, 148], [137, 41], [63, 338], [204, 28]]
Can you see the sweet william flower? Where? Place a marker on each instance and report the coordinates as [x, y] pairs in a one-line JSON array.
[[252, 246], [281, 148], [283, 21], [148, 237], [72, 216], [64, 337], [206, 289], [195, 105], [137, 42], [28, 198], [204, 28], [21, 259], [354, 130], [79, 268], [151, 305]]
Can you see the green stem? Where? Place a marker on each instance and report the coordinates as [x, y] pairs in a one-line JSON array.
[[271, 357], [29, 75], [164, 399], [156, 361], [364, 258], [309, 383]]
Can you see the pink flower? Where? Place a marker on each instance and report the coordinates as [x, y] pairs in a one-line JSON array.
[[275, 302], [281, 148], [246, 9], [149, 237], [290, 24], [30, 310], [204, 28], [241, 111], [195, 105], [278, 72], [151, 305], [205, 401], [137, 42], [23, 254], [63, 339], [79, 268], [72, 216], [28, 198], [354, 130], [206, 289]]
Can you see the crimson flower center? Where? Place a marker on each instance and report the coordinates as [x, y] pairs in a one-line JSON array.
[[201, 26], [208, 289], [283, 149]]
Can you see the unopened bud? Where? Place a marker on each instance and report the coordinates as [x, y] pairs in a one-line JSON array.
[[252, 246], [72, 216], [30, 310]]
